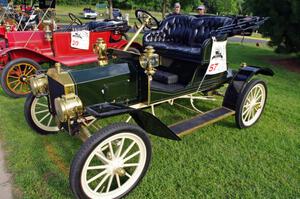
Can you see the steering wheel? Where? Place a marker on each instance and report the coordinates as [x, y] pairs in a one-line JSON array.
[[145, 17], [75, 19]]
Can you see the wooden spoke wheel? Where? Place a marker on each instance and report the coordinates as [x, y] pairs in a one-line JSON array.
[[38, 116], [251, 103], [111, 162], [15, 79]]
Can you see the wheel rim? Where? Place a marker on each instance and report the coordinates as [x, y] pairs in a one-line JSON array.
[[18, 76], [114, 166], [41, 116], [254, 104]]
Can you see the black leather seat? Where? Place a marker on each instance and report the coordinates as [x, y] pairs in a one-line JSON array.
[[185, 37]]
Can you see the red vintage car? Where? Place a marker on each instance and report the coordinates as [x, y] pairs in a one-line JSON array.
[[23, 52]]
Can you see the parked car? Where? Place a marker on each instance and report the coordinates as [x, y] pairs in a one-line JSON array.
[[179, 62], [88, 13], [117, 14], [23, 52]]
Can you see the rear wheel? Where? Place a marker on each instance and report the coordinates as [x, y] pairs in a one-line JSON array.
[[37, 115], [15, 77], [251, 103], [111, 162]]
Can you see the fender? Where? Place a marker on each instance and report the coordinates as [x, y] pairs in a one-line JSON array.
[[239, 81], [24, 52], [145, 120]]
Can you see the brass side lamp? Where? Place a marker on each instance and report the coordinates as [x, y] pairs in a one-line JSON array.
[[48, 31], [8, 27], [100, 48], [149, 61]]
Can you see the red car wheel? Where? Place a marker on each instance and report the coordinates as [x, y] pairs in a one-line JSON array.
[[15, 77]]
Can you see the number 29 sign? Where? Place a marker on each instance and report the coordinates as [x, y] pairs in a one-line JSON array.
[[80, 39]]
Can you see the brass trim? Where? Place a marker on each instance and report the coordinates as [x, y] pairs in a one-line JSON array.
[[62, 77]]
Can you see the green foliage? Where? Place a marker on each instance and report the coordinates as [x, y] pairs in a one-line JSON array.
[[222, 7], [283, 25]]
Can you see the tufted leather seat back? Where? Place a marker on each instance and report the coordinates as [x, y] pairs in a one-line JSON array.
[[185, 37], [187, 30], [202, 28]]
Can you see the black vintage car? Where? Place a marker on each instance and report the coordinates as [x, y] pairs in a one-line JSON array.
[[184, 57]]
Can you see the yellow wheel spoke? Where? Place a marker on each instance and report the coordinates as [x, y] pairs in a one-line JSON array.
[[14, 88], [30, 71], [13, 82]]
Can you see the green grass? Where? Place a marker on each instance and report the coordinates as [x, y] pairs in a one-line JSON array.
[[62, 12], [218, 161]]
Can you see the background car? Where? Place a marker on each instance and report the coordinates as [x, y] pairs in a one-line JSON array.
[[88, 13]]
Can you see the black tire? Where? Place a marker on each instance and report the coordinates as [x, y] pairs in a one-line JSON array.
[[33, 123], [90, 145], [7, 70], [242, 100]]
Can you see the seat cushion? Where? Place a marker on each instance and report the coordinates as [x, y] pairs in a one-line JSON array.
[[165, 77]]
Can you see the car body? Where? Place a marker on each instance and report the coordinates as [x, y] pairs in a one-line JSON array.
[[127, 83]]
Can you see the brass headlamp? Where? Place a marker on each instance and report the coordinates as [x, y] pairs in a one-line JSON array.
[[149, 61], [100, 48], [68, 107], [39, 85]]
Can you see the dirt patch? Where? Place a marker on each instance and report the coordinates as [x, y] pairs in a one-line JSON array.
[[55, 158], [291, 64]]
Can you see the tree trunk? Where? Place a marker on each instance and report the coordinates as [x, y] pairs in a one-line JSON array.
[[110, 10], [164, 8]]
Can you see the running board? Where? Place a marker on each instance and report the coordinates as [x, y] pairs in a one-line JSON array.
[[187, 126]]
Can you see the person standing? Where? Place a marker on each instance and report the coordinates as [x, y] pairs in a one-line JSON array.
[[201, 10], [177, 9]]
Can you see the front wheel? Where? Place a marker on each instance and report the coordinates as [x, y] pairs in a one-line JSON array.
[[251, 103], [37, 115], [111, 162], [15, 77]]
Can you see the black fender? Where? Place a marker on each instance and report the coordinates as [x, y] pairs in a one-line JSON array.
[[239, 81], [145, 120]]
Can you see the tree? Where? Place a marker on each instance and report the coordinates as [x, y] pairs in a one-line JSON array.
[[221, 6], [283, 25], [110, 10]]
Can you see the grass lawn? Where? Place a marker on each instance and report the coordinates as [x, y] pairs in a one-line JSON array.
[[62, 12], [218, 161]]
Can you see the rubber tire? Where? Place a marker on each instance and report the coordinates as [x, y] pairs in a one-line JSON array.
[[28, 117], [241, 101], [5, 73], [92, 142]]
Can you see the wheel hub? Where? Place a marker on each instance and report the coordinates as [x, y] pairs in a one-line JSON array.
[[116, 167], [23, 78]]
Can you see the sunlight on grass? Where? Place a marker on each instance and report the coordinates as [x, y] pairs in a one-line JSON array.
[[218, 161]]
